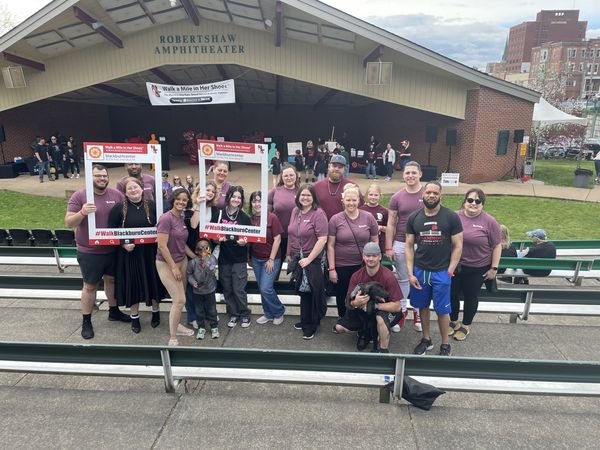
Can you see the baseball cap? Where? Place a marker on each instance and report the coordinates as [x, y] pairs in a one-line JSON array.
[[338, 159], [371, 249], [538, 233]]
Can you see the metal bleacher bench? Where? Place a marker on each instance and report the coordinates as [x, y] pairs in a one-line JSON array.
[[59, 257], [375, 370], [568, 248]]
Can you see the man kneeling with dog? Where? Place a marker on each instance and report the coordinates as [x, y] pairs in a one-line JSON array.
[[373, 302]]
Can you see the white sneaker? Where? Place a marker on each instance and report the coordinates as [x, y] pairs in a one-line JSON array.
[[245, 322], [396, 328], [201, 334], [278, 320], [262, 320], [232, 322]]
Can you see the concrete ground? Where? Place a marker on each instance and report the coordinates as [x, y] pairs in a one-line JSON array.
[[247, 176]]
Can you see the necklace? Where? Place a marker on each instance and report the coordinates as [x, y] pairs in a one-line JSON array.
[[231, 216], [138, 205], [336, 189]]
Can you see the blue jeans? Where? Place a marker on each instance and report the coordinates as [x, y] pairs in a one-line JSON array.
[[370, 170], [190, 306], [43, 166], [271, 304]]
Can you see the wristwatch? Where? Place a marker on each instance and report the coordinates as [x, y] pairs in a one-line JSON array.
[[494, 268]]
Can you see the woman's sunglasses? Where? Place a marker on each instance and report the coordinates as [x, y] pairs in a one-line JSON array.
[[477, 201], [201, 249]]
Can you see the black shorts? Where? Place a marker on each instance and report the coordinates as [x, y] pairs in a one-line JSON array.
[[354, 320], [94, 266]]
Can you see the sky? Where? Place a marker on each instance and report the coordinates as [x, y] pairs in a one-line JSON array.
[[470, 32]]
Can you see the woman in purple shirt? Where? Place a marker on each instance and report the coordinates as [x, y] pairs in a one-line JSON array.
[[479, 261], [349, 231], [307, 234], [171, 261]]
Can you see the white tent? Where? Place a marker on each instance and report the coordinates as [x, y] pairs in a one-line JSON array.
[[546, 114]]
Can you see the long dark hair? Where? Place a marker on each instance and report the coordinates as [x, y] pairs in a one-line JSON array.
[[252, 198], [232, 190]]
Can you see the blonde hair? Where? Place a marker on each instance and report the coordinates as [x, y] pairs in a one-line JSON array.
[[352, 189], [374, 187], [505, 236]]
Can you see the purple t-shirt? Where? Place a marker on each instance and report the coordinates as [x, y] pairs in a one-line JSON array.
[[263, 251], [305, 229], [480, 235], [148, 182], [283, 201], [384, 276], [381, 214], [175, 227], [404, 204], [329, 195], [364, 227], [104, 203], [220, 196]]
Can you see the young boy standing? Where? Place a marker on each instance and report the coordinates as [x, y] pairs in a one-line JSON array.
[[202, 278]]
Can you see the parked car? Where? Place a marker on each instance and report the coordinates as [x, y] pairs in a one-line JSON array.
[[554, 152], [591, 150], [574, 153]]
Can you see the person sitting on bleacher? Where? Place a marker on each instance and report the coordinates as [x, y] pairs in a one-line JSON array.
[[542, 248]]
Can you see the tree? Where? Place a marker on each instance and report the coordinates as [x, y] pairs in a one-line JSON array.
[[7, 19]]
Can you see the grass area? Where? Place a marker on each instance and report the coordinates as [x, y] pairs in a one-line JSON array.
[[562, 219], [31, 211], [560, 172]]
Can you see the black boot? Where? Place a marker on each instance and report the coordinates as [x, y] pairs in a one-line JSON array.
[[136, 327], [155, 319], [115, 314], [87, 330]]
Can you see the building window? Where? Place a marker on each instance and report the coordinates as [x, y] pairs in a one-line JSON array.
[[571, 67], [572, 53], [596, 69], [502, 144], [571, 83], [598, 53], [589, 68], [581, 67], [583, 53], [544, 55]]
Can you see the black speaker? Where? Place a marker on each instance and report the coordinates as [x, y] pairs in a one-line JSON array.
[[518, 136], [429, 173], [431, 133], [8, 170], [451, 136], [2, 134]]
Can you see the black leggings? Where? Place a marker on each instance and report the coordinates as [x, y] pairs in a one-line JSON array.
[[468, 282], [341, 287]]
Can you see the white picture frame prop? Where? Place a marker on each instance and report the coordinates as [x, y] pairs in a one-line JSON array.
[[450, 179], [123, 153], [239, 152]]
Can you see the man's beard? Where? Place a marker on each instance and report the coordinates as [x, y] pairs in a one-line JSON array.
[[100, 188], [431, 204], [335, 177], [135, 173]]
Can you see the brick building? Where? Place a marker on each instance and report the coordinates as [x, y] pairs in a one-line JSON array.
[[573, 65], [300, 68], [549, 26]]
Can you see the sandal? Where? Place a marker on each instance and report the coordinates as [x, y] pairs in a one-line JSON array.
[[173, 342], [183, 331], [452, 327], [461, 333]]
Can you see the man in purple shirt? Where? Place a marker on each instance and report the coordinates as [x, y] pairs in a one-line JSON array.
[[96, 262], [329, 190], [135, 170]]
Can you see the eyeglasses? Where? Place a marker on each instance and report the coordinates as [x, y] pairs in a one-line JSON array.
[[477, 201], [201, 249], [100, 176]]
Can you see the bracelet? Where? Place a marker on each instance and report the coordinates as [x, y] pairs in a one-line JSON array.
[[388, 249], [81, 212], [331, 269]]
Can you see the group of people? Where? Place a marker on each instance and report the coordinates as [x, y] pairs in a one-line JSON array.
[[329, 234], [55, 156]]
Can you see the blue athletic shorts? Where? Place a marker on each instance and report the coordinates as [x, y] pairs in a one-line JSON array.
[[434, 286]]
